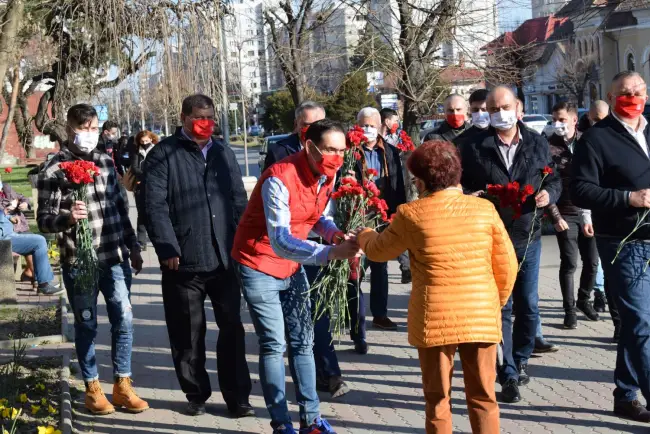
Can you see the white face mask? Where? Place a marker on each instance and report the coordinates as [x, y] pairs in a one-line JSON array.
[[504, 119], [86, 141], [370, 133], [481, 119], [560, 129]]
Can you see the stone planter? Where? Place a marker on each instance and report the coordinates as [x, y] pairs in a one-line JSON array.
[[63, 336]]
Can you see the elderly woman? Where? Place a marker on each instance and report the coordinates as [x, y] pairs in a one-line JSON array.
[[144, 142], [464, 268]]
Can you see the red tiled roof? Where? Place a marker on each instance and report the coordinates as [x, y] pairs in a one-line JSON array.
[[455, 74], [533, 31]]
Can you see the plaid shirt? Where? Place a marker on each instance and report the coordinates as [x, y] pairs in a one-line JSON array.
[[108, 216]]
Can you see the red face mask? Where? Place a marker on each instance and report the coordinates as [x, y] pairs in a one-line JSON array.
[[329, 164], [455, 121], [629, 106], [202, 129]]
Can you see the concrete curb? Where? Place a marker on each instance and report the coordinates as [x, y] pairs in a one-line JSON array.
[[66, 400], [39, 340]]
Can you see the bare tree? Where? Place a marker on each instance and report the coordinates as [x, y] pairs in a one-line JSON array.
[[575, 71], [10, 23]]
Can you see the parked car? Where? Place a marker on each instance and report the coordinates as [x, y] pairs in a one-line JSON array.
[[255, 131], [265, 146], [535, 122], [427, 126]]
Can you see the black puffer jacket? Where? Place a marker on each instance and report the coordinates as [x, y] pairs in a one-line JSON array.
[[483, 164]]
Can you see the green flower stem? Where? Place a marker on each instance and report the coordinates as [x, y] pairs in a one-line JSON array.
[[86, 263], [532, 226]]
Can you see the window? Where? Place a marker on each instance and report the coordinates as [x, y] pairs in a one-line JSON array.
[[233, 54], [251, 54], [254, 85], [260, 53], [630, 62], [250, 32], [233, 44]]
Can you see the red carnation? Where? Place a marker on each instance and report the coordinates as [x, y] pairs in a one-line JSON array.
[[356, 137], [372, 172], [357, 155], [79, 172], [547, 171], [405, 143], [8, 170], [349, 180]]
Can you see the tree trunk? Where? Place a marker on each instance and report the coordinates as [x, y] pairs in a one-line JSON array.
[[11, 24], [15, 87], [412, 128], [22, 121]]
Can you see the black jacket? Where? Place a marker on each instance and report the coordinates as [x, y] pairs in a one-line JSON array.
[[192, 205], [466, 134], [392, 189], [281, 150], [607, 164], [446, 132], [563, 160], [483, 164]]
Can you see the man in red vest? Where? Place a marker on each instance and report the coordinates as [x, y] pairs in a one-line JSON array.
[[270, 245]]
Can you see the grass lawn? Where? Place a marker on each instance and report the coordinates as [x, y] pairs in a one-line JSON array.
[[18, 180]]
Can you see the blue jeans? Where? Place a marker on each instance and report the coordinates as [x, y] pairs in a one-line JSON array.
[[35, 245], [519, 340], [279, 308], [327, 364], [629, 282], [115, 285], [600, 279]]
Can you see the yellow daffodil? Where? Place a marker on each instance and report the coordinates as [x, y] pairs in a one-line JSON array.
[[43, 401], [48, 430], [51, 409], [23, 398], [40, 387], [4, 431], [9, 413], [4, 402], [35, 409]]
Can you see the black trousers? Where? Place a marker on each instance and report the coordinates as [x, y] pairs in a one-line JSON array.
[[141, 223], [183, 297], [573, 242]]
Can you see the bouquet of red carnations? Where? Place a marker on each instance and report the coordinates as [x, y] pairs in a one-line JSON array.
[[358, 204], [79, 174], [512, 197]]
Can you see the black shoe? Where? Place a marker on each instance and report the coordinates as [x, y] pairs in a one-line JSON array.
[[195, 408], [361, 347], [406, 276], [541, 346], [524, 378], [337, 387], [510, 392], [570, 320], [241, 410], [587, 308], [617, 334], [600, 301], [322, 386], [632, 410], [383, 322]]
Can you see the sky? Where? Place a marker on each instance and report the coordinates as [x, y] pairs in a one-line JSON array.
[[512, 13]]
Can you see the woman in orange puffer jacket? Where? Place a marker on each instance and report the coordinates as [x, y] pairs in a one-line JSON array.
[[464, 268]]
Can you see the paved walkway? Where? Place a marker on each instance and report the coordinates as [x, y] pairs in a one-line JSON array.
[[570, 392]]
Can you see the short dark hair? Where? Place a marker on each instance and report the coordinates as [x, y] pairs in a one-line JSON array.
[[199, 101], [386, 113], [318, 129], [625, 74], [80, 114], [109, 125], [307, 105], [568, 106], [478, 95], [437, 164]]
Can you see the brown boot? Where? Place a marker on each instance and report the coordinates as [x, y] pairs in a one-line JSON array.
[[124, 396], [96, 401]]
